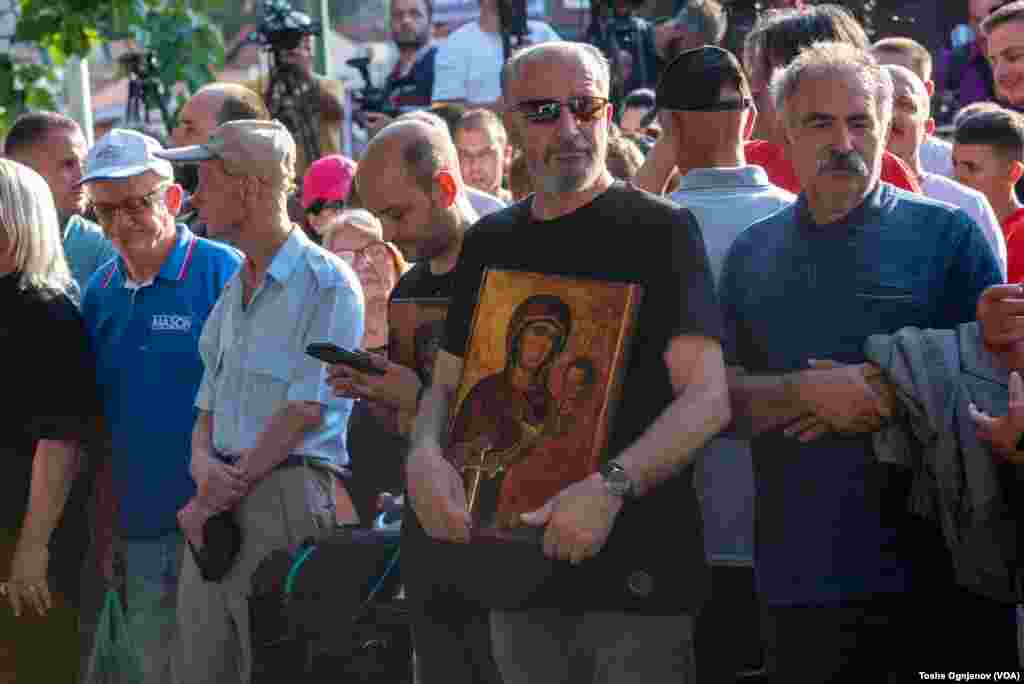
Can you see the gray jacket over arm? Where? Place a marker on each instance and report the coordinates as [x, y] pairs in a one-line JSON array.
[[956, 481]]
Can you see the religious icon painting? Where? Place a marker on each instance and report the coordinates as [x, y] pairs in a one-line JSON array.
[[542, 375], [415, 332]]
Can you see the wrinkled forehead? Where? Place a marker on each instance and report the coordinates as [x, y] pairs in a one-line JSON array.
[[558, 75]]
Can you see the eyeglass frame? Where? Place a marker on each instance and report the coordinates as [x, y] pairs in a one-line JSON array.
[[139, 204], [568, 102]]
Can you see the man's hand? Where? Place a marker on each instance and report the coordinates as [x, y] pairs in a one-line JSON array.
[[844, 398], [191, 520], [222, 486], [579, 519], [396, 388], [1003, 433], [27, 586], [438, 494], [1001, 316]]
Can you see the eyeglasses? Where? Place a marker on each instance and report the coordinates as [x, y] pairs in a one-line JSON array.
[[585, 108], [721, 106], [134, 207], [319, 205]]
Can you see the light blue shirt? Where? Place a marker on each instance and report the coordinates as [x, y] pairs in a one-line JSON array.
[[726, 201], [86, 248], [255, 355]]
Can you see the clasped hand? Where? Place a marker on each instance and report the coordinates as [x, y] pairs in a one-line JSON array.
[[841, 398]]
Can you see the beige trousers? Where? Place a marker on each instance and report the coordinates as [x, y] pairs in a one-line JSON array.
[[287, 507]]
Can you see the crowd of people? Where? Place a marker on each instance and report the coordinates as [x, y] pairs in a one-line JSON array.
[[822, 405]]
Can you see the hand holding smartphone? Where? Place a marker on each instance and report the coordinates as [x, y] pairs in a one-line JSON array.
[[329, 352]]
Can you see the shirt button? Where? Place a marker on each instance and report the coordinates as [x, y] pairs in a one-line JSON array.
[[144, 347]]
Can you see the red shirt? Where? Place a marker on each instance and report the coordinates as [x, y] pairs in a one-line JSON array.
[[772, 158], [1013, 231]]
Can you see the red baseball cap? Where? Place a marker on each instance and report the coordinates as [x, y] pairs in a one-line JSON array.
[[328, 178]]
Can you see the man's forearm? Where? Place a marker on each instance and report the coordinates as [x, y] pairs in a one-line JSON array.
[[281, 436], [669, 444], [763, 402], [429, 425], [54, 469], [202, 445]]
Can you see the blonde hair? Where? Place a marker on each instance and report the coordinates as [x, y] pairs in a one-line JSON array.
[[360, 218], [28, 219]]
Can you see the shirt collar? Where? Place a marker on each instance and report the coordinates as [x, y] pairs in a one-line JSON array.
[[175, 266], [288, 256], [724, 177], [178, 261], [861, 217], [396, 73]]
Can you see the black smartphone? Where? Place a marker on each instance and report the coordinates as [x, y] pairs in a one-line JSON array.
[[332, 353]]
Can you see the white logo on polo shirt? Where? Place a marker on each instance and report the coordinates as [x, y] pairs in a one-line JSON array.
[[172, 323]]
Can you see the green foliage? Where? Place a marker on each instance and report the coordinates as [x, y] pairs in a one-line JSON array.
[[24, 87], [187, 47]]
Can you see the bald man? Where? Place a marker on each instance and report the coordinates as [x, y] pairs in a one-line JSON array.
[[209, 107], [425, 210], [911, 126]]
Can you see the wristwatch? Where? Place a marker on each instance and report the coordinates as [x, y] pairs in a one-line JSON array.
[[617, 481]]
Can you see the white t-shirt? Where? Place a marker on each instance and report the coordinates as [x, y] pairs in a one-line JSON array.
[[484, 203], [468, 63], [976, 206], [937, 157]]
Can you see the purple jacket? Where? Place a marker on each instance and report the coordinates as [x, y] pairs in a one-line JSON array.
[[965, 69]]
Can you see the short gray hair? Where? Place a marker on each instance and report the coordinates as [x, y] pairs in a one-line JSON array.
[[584, 51], [831, 57]]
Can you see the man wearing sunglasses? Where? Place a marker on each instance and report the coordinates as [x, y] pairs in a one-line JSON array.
[[144, 311], [619, 603]]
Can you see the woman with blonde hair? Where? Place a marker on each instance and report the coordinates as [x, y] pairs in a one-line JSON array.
[[52, 415]]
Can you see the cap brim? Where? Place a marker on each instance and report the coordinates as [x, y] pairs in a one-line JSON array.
[[116, 174], [192, 153]]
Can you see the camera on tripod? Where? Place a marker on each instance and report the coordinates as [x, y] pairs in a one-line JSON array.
[[370, 98]]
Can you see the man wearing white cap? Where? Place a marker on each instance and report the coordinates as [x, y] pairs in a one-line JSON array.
[[144, 312], [269, 441]]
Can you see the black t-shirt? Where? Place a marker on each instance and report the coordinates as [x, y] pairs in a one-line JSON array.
[[53, 396], [419, 283], [654, 559]]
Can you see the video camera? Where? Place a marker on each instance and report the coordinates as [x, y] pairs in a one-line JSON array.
[[370, 98], [282, 28]]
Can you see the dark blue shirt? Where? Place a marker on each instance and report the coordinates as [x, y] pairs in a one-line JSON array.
[[148, 368], [793, 291], [412, 90]]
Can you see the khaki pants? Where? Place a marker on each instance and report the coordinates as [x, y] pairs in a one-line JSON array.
[[287, 507]]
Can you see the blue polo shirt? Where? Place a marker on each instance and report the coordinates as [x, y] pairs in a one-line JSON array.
[[146, 341], [830, 519]]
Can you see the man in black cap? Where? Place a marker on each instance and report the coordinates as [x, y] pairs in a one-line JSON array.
[[706, 113]]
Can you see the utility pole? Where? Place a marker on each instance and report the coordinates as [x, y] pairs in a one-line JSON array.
[[77, 95]]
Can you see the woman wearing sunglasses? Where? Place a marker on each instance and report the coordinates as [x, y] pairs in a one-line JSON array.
[[325, 190]]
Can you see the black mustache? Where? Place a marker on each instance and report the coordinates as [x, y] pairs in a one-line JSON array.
[[851, 162]]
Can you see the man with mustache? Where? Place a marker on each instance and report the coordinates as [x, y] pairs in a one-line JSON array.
[[911, 125], [853, 582]]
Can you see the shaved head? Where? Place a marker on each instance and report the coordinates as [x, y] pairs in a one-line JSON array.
[[906, 82], [423, 148], [409, 179]]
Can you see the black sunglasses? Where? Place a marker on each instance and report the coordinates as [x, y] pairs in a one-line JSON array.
[[586, 109], [319, 205]]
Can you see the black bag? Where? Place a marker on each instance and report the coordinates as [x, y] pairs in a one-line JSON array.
[[332, 608], [222, 540]]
